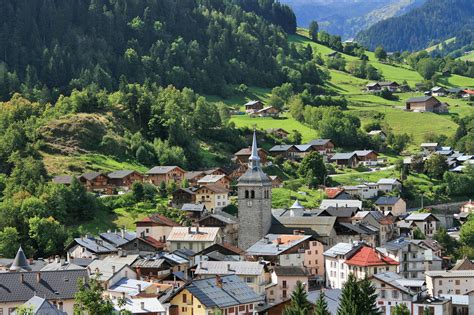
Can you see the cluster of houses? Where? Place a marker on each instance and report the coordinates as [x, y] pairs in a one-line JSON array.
[[250, 264], [165, 268], [457, 161]]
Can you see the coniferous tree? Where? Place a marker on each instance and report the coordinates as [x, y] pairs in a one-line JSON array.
[[401, 309], [299, 304], [350, 298], [368, 298], [321, 307]]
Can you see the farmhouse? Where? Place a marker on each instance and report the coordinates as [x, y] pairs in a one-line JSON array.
[[288, 151], [345, 159], [367, 157], [379, 133], [323, 146], [125, 178], [166, 174], [438, 91], [242, 156], [426, 104], [268, 111], [212, 196], [95, 181], [278, 132], [253, 106]]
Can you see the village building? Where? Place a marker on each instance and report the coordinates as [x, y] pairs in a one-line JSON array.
[[242, 156], [414, 259], [379, 86], [193, 177], [110, 272], [276, 181], [268, 111], [194, 211], [39, 306], [438, 91], [194, 238], [96, 182], [145, 305], [253, 273], [89, 247], [468, 207], [367, 157], [18, 288], [340, 203], [284, 281], [182, 196], [426, 104], [278, 132], [345, 159], [156, 226], [294, 222], [384, 225], [212, 196], [166, 174], [380, 133], [124, 179], [360, 260], [254, 191], [152, 268], [449, 282], [253, 106], [323, 146], [303, 150], [387, 185], [395, 205], [426, 222], [362, 191], [222, 181], [467, 94], [229, 294], [429, 147], [228, 223], [287, 151]]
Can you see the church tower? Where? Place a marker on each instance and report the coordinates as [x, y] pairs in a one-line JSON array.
[[255, 201]]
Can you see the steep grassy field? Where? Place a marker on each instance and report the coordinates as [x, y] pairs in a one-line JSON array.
[[468, 57]]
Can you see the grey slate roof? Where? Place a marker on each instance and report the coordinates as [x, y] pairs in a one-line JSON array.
[[303, 147], [340, 249], [40, 306], [116, 239], [319, 141], [342, 156], [356, 228], [387, 200], [281, 148], [94, 245], [420, 217], [253, 268], [283, 223], [268, 246], [388, 181], [254, 176], [393, 279], [161, 170], [91, 175], [290, 271], [419, 99], [232, 293], [333, 297], [363, 152], [20, 263], [193, 207], [119, 174], [53, 285], [222, 216], [341, 212]]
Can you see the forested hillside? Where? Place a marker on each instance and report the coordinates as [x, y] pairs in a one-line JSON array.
[[49, 47], [435, 20], [347, 17]]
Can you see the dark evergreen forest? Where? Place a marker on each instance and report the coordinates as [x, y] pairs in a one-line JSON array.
[[52, 46], [435, 20]]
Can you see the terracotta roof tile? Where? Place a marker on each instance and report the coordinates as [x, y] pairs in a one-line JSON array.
[[367, 256]]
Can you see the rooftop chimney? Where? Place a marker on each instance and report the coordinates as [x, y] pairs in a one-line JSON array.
[[113, 269], [278, 240], [123, 231], [142, 305], [189, 230], [38, 277], [197, 229], [22, 277], [228, 267], [218, 281], [57, 258], [139, 288]]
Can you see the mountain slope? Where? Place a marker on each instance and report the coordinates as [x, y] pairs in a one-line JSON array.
[[348, 17], [435, 20]]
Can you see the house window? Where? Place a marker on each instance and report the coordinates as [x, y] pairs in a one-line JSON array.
[[231, 310], [184, 298], [184, 309], [147, 231], [218, 197], [395, 294], [241, 308], [389, 208], [457, 282], [458, 291], [284, 283], [284, 294], [440, 282], [382, 294], [249, 279]]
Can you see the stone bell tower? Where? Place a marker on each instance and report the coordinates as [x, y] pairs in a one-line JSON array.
[[254, 201]]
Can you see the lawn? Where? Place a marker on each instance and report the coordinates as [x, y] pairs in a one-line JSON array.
[[74, 164], [284, 198], [285, 121], [238, 100]]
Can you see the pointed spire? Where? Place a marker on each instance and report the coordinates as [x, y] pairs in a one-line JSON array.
[[20, 262], [254, 159]]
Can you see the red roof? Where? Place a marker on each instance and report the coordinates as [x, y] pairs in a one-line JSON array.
[[333, 192], [367, 256], [470, 92], [153, 242], [158, 219]]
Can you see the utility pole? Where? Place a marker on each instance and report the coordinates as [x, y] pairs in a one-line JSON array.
[[422, 201]]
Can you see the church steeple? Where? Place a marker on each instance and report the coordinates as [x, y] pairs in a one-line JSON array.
[[254, 159]]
